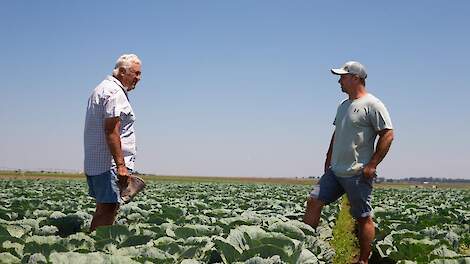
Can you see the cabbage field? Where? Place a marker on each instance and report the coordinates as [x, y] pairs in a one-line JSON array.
[[46, 221], [423, 225]]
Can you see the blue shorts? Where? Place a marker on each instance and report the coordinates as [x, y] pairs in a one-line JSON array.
[[104, 187], [357, 187]]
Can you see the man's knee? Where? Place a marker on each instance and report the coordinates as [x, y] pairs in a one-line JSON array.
[[106, 208], [366, 220], [312, 212], [366, 225], [314, 203]]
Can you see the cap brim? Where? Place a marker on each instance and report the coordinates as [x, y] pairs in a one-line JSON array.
[[339, 71]]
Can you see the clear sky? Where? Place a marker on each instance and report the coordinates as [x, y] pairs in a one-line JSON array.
[[236, 88]]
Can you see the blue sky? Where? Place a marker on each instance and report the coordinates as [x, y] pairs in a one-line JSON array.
[[236, 88]]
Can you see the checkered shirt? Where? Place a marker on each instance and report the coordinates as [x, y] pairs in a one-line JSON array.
[[108, 100]]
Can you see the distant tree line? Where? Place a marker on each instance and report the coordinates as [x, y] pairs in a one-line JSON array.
[[425, 180], [422, 180]]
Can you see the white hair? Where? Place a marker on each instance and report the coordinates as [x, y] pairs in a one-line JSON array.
[[125, 61]]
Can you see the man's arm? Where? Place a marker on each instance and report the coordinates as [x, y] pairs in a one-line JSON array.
[[383, 145], [328, 154], [112, 128]]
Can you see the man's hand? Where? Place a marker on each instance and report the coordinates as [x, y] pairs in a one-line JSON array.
[[383, 145], [328, 154], [123, 176], [369, 171]]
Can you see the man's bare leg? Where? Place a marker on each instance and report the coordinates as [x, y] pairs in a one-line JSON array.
[[365, 236], [105, 214], [313, 211]]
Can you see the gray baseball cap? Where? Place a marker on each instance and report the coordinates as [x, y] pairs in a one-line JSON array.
[[351, 67]]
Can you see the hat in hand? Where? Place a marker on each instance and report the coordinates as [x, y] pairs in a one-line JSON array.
[[134, 186]]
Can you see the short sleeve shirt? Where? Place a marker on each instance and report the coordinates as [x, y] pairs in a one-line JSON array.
[[357, 123], [108, 100]]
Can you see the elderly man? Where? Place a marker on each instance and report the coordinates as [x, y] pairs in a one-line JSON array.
[[352, 157], [109, 139]]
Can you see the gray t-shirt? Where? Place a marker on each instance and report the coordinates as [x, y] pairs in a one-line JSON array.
[[357, 123]]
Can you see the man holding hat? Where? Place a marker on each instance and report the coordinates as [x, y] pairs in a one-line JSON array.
[[109, 140], [353, 156]]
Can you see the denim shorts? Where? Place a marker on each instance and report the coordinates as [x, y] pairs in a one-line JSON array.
[[104, 187], [357, 188]]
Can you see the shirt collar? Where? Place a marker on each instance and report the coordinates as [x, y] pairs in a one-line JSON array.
[[114, 79]]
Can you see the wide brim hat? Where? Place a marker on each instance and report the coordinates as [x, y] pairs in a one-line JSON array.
[[134, 186]]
